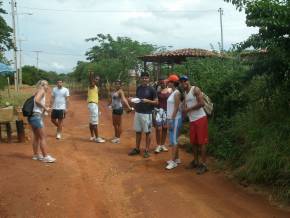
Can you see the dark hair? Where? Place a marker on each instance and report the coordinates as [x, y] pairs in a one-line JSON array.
[[144, 74], [59, 79]]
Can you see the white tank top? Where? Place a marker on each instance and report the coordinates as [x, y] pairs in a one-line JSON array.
[[190, 101], [170, 106], [36, 108]]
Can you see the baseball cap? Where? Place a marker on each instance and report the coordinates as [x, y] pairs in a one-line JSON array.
[[183, 78], [173, 78]]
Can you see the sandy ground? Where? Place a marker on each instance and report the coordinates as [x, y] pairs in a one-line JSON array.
[[101, 180]]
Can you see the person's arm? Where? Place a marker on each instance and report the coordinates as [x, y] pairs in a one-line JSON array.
[[67, 100], [39, 95], [52, 100], [121, 92], [200, 102], [91, 79], [176, 104], [154, 101]]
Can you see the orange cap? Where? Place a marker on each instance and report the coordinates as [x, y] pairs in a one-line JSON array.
[[173, 78]]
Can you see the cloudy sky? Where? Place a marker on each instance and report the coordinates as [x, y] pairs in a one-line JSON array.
[[58, 28]]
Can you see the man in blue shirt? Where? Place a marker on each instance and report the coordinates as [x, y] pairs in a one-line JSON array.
[[143, 114]]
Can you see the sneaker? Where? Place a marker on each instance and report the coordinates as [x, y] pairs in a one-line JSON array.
[[201, 169], [163, 148], [37, 157], [48, 159], [171, 165], [177, 161], [146, 154], [158, 149], [93, 138], [134, 151], [116, 140], [192, 165], [58, 136], [99, 140]]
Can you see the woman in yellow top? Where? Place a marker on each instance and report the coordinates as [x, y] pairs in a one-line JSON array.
[[93, 100]]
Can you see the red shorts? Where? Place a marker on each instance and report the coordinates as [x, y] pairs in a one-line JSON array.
[[199, 131]]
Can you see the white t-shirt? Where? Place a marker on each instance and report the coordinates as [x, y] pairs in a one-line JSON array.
[[60, 96]]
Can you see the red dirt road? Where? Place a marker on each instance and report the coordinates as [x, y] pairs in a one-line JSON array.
[[100, 180]]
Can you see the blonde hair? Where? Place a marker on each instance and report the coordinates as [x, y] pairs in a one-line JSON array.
[[41, 83]]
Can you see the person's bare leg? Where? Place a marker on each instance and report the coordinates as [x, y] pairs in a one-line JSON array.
[[54, 122], [163, 136], [42, 140], [157, 133], [35, 142], [148, 141], [59, 127], [138, 139], [96, 132], [118, 125], [203, 153], [195, 153], [173, 153], [92, 130]]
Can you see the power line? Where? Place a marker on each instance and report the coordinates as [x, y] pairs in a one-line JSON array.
[[120, 11], [60, 54]]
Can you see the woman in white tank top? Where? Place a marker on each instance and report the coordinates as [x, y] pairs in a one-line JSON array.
[[174, 120], [36, 123]]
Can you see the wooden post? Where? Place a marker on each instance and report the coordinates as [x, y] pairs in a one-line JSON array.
[[8, 88], [20, 131], [9, 132]]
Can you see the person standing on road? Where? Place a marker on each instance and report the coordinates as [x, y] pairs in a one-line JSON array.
[[160, 115], [117, 98], [174, 120], [146, 98], [59, 105], [93, 101], [198, 124], [36, 123]]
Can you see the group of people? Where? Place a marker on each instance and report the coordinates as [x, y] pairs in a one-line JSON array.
[[164, 108]]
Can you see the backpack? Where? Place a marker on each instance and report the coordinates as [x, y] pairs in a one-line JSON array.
[[208, 105], [27, 108]]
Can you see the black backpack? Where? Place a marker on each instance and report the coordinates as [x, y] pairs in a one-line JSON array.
[[27, 108]]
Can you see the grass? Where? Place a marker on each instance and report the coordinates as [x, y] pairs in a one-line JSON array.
[[14, 98]]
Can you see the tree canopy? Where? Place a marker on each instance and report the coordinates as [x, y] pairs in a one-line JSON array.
[[112, 58]]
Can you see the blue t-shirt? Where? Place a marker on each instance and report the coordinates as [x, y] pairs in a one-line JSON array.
[[145, 92]]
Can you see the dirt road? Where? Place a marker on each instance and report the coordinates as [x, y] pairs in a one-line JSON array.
[[100, 180]]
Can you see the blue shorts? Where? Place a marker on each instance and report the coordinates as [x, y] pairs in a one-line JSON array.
[[174, 126], [36, 121]]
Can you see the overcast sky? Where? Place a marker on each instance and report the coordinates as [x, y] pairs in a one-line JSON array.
[[59, 28]]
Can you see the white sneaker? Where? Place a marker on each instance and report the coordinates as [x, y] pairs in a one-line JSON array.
[[37, 157], [171, 165], [177, 161], [163, 148], [58, 136], [93, 138], [158, 149], [48, 159], [116, 140], [99, 140]]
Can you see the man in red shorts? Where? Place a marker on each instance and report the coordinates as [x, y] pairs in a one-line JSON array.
[[198, 123]]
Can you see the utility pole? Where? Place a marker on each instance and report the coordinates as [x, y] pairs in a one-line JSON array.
[[221, 11], [20, 61], [13, 5], [37, 58]]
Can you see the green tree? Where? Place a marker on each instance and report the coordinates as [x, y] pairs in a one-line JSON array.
[[112, 58], [5, 33]]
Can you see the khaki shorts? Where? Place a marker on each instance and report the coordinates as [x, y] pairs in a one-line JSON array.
[[143, 122]]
